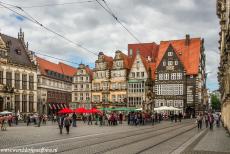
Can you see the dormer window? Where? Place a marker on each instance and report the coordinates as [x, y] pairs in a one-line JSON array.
[[138, 64], [170, 53], [18, 51], [130, 52]]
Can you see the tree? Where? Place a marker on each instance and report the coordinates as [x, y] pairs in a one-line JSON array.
[[215, 102]]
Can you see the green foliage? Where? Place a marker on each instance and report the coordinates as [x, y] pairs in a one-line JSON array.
[[215, 102]]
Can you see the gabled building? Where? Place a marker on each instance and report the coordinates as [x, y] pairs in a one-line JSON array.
[[18, 75], [54, 85], [118, 80], [180, 74], [101, 80], [81, 92], [137, 77]]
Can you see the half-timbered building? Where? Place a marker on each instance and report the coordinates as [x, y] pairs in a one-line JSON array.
[[180, 74]]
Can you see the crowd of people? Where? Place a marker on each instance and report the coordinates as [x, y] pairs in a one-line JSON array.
[[209, 119], [113, 119], [8, 119], [106, 119]]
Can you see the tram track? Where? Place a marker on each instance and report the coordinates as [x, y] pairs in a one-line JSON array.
[[76, 137], [165, 140], [142, 135]]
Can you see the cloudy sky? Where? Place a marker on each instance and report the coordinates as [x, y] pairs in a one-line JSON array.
[[85, 22]]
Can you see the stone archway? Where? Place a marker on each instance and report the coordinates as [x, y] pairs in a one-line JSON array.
[[190, 111], [1, 104]]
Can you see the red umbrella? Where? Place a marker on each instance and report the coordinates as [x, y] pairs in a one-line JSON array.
[[80, 110], [94, 110], [65, 110]]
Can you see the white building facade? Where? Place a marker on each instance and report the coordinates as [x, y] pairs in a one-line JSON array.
[[18, 75]]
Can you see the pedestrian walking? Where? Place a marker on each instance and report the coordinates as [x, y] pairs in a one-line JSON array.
[[74, 117], [100, 119], [39, 120], [199, 121], [16, 119], [9, 119], [211, 121], [217, 119], [153, 118], [67, 123], [96, 118], [120, 118], [90, 119], [206, 120], [171, 117], [175, 115], [180, 116], [3, 123], [28, 120], [106, 120], [60, 123]]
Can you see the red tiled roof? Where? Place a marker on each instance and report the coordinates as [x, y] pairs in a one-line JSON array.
[[147, 64], [126, 59], [67, 70], [109, 60], [145, 49], [89, 71], [58, 68], [188, 55]]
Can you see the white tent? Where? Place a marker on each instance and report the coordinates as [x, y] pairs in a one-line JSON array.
[[162, 108], [171, 108], [5, 112]]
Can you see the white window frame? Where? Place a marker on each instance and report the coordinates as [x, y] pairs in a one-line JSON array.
[[170, 53], [166, 76], [170, 63], [179, 76], [176, 62], [161, 76], [173, 76]]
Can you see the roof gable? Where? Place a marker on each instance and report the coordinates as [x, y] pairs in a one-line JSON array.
[[139, 64], [17, 52], [145, 49], [189, 55], [166, 58], [60, 68]]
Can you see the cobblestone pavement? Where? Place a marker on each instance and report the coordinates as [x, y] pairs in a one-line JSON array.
[[213, 142], [165, 137]]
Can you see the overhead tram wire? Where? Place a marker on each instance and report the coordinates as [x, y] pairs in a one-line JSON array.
[[30, 18], [116, 18], [64, 60], [109, 10], [57, 4]]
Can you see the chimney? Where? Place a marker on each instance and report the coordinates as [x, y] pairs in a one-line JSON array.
[[187, 40]]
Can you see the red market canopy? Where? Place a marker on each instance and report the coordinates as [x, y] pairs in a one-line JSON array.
[[80, 110], [94, 110], [66, 110]]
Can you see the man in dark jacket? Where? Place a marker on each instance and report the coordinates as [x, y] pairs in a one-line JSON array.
[[74, 117], [67, 123], [60, 123]]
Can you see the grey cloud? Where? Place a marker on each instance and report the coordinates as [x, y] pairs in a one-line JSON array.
[[90, 25]]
